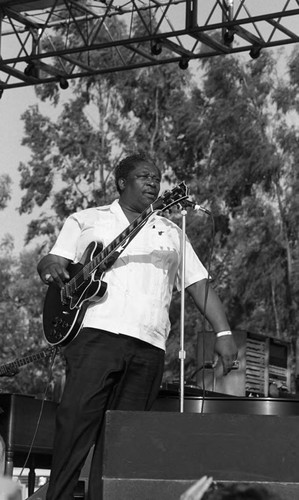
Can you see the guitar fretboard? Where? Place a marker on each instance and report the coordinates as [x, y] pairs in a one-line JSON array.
[[7, 368], [101, 258]]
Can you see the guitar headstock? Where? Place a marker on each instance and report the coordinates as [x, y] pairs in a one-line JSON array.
[[171, 197]]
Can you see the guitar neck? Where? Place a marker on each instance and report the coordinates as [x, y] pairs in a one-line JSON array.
[[24, 361], [121, 239], [103, 258]]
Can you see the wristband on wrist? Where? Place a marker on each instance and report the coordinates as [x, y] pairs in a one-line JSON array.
[[223, 333]]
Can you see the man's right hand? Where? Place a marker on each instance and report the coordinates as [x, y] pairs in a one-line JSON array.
[[53, 269]]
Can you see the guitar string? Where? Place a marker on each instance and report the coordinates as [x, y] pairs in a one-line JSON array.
[[136, 225], [72, 285], [102, 257]]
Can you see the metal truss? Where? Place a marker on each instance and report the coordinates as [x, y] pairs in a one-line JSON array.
[[169, 31]]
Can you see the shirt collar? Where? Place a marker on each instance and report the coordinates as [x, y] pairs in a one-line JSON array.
[[117, 210], [115, 206]]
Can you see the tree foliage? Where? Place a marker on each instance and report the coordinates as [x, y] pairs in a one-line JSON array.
[[5, 190], [244, 148], [73, 157], [21, 300]]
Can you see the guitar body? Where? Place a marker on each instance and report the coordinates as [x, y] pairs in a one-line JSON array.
[[62, 317]]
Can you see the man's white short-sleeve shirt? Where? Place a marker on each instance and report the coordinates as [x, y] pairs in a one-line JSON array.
[[141, 281]]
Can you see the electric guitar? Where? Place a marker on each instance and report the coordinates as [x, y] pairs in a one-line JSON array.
[[64, 309], [11, 369]]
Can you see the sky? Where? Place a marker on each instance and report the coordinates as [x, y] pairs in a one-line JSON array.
[[12, 104]]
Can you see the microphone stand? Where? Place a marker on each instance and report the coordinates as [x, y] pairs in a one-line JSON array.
[[182, 352]]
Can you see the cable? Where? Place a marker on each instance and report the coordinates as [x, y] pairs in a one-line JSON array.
[[204, 310], [55, 350]]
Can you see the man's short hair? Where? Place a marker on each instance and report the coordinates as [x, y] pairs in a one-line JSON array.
[[126, 165]]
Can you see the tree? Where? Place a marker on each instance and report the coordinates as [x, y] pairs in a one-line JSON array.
[[5, 190], [230, 139], [242, 150], [21, 300], [73, 158]]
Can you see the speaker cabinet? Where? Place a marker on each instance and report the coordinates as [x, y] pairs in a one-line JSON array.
[[152, 455]]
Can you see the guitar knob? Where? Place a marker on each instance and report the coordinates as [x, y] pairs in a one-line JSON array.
[[56, 321]]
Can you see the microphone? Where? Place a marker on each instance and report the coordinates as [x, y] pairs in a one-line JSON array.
[[197, 208]]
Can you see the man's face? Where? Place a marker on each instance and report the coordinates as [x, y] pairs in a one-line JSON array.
[[141, 187]]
